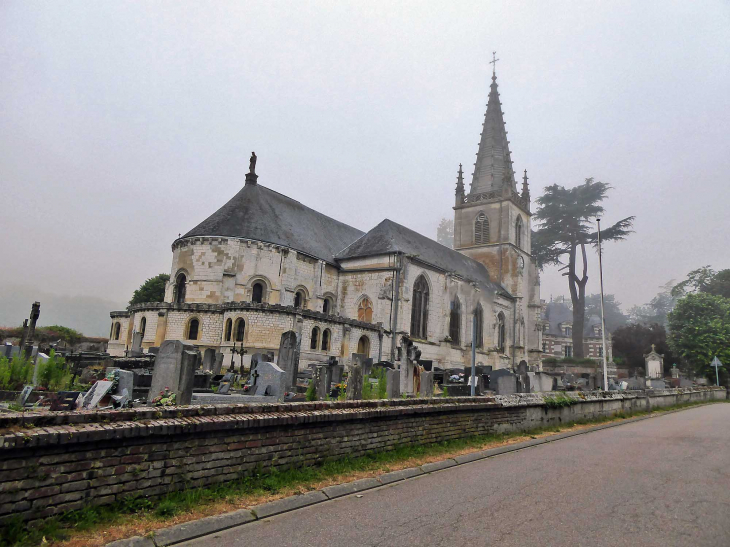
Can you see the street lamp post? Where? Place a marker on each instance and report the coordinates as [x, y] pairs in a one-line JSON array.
[[603, 319]]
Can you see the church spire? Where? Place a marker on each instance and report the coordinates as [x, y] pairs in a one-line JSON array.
[[525, 188], [493, 168], [460, 186]]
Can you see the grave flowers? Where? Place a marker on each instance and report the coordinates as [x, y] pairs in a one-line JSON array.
[[165, 398]]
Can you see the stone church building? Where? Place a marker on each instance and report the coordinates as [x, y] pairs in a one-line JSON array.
[[264, 264]]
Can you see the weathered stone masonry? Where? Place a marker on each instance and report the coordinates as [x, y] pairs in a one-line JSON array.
[[56, 463]]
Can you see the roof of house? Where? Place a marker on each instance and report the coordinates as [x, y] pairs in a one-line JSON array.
[[390, 237], [261, 214], [559, 312]]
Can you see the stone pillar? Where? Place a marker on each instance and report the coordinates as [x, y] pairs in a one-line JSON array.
[[161, 328], [354, 383]]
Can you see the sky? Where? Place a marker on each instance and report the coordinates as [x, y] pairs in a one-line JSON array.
[[123, 124]]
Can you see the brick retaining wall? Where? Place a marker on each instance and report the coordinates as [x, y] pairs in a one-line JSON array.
[[53, 463]]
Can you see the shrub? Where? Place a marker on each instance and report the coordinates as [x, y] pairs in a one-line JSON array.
[[15, 373]]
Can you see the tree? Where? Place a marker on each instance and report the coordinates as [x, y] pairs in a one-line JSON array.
[[445, 232], [657, 310], [566, 217], [152, 290], [699, 329], [632, 342], [614, 317], [704, 280]]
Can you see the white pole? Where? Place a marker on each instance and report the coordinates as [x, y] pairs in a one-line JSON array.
[[603, 319]]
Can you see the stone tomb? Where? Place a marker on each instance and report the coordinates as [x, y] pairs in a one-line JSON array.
[[288, 359], [175, 369]]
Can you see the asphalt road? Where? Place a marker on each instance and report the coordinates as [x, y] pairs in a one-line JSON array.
[[660, 482]]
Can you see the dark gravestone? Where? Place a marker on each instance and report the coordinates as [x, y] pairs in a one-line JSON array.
[[354, 383], [288, 360], [24, 395], [367, 367]]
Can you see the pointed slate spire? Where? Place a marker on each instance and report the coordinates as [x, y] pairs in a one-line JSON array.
[[460, 182], [493, 168], [525, 188]]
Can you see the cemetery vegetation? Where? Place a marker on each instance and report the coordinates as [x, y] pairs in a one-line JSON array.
[[566, 220], [631, 342], [152, 290], [260, 487], [53, 374]]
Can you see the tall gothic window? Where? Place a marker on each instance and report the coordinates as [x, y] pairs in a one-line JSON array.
[[455, 321], [229, 330], [481, 229], [479, 331], [315, 338], [326, 335], [240, 329], [365, 310], [180, 283], [501, 332], [419, 311], [257, 293], [518, 232]]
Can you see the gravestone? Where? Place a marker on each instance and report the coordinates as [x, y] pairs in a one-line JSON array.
[[208, 360], [136, 349], [357, 358], [126, 381], [7, 350], [218, 363], [224, 388], [271, 380], [354, 383], [506, 384], [288, 359], [654, 364], [66, 400], [175, 369], [337, 371], [392, 383], [24, 395], [154, 350], [367, 367], [426, 384], [320, 375], [95, 394]]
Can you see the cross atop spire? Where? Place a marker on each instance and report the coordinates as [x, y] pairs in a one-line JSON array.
[[493, 62]]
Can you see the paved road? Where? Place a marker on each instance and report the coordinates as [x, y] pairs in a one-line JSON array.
[[659, 482]]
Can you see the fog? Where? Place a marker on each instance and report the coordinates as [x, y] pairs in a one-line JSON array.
[[123, 124]]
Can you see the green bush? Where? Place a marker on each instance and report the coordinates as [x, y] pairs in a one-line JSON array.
[[15, 373], [311, 392], [54, 374]]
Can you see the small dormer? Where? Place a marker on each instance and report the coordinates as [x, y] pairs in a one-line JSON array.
[[566, 328]]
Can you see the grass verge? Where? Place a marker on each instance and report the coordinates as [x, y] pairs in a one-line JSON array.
[[96, 526]]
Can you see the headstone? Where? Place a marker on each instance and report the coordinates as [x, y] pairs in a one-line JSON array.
[[392, 383], [136, 349], [337, 372], [506, 384], [354, 383], [66, 400], [357, 359], [367, 367], [654, 364], [675, 371], [24, 395], [320, 380], [426, 384], [271, 380], [224, 388], [154, 350], [288, 360], [121, 400], [7, 350], [175, 369], [96, 393], [125, 381], [218, 363], [208, 360]]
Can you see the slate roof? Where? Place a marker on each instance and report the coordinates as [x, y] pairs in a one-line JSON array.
[[390, 237], [261, 214], [559, 312]]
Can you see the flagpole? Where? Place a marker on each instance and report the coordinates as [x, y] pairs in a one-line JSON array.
[[603, 319]]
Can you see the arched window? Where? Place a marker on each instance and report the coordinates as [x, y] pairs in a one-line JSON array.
[[479, 330], [257, 293], [326, 335], [481, 229], [240, 329], [500, 332], [180, 283], [365, 310], [193, 328], [327, 305], [518, 232], [299, 299], [229, 330], [315, 338], [143, 326], [117, 330], [455, 321], [419, 310], [363, 346]]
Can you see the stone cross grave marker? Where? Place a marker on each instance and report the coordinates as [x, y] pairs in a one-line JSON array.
[[288, 359]]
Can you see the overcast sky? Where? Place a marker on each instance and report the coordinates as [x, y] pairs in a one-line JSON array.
[[123, 124]]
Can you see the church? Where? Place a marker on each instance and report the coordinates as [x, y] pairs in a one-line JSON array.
[[264, 264]]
